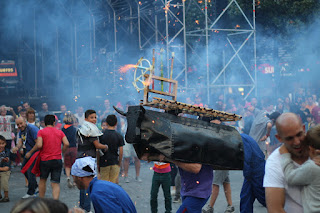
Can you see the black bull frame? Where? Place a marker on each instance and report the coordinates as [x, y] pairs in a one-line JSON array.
[[183, 139]]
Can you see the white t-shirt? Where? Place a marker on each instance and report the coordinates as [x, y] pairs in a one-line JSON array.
[[274, 177], [5, 126]]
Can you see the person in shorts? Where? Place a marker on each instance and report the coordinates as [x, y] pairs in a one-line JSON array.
[[221, 177], [71, 153], [128, 153], [110, 162], [49, 142]]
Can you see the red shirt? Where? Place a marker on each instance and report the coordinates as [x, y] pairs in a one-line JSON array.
[[52, 139], [161, 167]]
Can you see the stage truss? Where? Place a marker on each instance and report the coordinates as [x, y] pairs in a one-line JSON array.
[[137, 19]]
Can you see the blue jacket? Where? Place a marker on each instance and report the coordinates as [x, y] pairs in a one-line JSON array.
[[254, 159], [108, 197]]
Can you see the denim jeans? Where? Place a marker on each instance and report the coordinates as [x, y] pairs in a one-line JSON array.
[[85, 201], [32, 182], [163, 179]]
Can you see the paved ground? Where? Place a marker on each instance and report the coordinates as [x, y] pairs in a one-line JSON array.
[[139, 192]]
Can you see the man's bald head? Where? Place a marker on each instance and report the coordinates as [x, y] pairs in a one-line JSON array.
[[291, 132], [20, 119], [21, 123], [287, 119]]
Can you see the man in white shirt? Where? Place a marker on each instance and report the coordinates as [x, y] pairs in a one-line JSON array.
[[280, 196], [80, 115]]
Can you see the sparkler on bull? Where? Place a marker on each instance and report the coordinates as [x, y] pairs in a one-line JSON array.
[[145, 71], [171, 71], [161, 66], [153, 62]]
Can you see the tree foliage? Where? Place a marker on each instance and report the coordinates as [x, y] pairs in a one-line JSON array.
[[281, 16]]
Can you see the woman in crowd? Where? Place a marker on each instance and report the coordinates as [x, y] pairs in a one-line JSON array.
[[70, 155], [31, 117]]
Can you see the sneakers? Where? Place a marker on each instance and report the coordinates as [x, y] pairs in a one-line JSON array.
[[70, 185], [126, 180], [138, 179], [207, 209], [27, 196], [5, 199], [177, 200], [230, 209]]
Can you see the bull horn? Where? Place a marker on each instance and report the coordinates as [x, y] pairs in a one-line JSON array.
[[119, 111]]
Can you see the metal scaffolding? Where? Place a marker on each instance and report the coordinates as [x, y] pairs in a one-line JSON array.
[[211, 28], [207, 30], [98, 33]]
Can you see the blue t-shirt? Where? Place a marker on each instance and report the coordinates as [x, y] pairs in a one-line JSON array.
[[197, 185], [109, 197], [29, 136]]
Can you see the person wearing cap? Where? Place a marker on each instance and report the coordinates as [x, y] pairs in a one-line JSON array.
[[105, 196], [88, 142]]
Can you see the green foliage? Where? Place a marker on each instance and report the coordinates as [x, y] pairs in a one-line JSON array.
[[195, 14], [280, 16]]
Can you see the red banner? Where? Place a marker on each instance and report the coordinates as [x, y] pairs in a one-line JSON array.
[[8, 70]]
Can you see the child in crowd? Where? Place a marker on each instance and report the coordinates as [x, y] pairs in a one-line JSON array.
[[103, 124], [310, 122], [307, 175], [110, 162], [88, 142], [4, 170], [161, 176]]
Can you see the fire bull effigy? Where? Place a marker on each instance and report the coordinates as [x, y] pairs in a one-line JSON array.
[[177, 137], [183, 139]]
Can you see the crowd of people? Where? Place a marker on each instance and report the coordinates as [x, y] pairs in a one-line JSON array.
[[89, 144]]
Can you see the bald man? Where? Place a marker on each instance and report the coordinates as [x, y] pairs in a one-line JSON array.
[[27, 136], [280, 196]]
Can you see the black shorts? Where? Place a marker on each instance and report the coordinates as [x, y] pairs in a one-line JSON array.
[[51, 166]]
